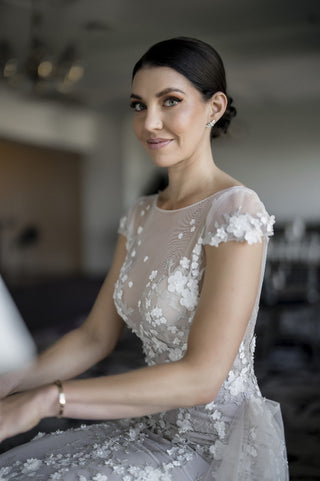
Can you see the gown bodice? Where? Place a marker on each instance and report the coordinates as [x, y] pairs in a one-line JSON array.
[[158, 289]]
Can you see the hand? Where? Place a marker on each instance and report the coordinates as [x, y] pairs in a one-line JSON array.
[[21, 412]]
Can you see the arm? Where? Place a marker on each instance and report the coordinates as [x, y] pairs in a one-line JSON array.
[[81, 348], [226, 302]]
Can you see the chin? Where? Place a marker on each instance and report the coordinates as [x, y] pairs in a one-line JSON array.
[[164, 160]]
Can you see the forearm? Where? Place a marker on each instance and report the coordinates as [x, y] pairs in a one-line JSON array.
[[110, 411], [145, 391], [71, 355], [137, 393]]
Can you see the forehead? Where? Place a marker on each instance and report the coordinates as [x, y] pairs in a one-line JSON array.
[[151, 80]]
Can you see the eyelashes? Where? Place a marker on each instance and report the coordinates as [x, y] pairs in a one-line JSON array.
[[172, 101], [138, 106]]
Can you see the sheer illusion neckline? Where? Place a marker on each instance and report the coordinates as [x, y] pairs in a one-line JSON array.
[[155, 203]]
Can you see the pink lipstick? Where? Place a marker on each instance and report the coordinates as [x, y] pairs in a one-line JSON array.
[[156, 144]]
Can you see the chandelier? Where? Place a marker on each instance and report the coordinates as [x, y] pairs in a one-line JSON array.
[[41, 70]]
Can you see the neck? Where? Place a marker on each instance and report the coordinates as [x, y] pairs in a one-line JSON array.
[[190, 181]]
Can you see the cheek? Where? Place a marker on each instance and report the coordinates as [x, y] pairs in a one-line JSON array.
[[187, 120]]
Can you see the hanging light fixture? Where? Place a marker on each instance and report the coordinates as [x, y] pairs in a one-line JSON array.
[[8, 64], [42, 70]]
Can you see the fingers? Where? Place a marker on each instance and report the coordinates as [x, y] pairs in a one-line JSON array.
[[18, 413]]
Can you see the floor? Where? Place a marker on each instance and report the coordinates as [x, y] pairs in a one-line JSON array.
[[287, 365]]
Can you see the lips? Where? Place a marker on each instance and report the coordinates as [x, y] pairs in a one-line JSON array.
[[158, 143]]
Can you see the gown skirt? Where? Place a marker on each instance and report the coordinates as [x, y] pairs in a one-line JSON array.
[[127, 450]]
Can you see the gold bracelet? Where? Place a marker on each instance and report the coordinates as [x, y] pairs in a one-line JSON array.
[[62, 398]]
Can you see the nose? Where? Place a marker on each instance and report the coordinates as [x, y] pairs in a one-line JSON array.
[[153, 119]]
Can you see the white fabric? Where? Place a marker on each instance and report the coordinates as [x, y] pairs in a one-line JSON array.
[[16, 345], [239, 435]]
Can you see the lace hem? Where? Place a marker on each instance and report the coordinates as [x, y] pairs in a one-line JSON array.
[[241, 228], [254, 449]]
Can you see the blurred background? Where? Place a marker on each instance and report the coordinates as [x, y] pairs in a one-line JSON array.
[[70, 167]]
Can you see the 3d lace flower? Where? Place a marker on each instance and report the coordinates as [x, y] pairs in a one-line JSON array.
[[216, 449], [184, 421], [186, 287], [175, 354], [235, 383], [123, 223], [156, 316], [100, 477], [185, 263], [241, 227], [147, 473], [177, 282], [31, 465]]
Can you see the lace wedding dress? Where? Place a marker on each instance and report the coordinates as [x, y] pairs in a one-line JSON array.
[[236, 437]]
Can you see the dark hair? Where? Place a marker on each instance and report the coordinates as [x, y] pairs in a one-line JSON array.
[[199, 63]]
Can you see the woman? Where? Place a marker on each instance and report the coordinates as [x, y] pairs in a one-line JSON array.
[[186, 278]]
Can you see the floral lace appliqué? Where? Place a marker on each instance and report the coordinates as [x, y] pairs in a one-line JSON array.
[[241, 227]]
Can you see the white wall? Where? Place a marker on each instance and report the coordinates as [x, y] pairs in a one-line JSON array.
[[102, 195], [46, 123]]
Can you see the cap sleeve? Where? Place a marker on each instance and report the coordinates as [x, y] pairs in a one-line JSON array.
[[123, 226], [237, 215], [129, 223], [126, 223]]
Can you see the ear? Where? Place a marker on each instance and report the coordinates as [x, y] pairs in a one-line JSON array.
[[217, 106]]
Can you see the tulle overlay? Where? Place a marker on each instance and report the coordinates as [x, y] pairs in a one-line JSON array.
[[236, 437], [255, 448]]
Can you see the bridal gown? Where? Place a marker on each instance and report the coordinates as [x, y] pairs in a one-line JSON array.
[[239, 435]]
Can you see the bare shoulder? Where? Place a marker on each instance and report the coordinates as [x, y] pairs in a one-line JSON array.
[[225, 181]]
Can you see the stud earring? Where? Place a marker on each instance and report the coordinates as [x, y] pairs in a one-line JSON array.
[[211, 123]]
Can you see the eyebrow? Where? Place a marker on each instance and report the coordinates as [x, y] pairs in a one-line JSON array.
[[160, 94]]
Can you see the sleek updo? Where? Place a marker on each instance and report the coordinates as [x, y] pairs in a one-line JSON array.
[[199, 63]]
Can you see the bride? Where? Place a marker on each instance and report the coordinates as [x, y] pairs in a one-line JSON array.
[[186, 278]]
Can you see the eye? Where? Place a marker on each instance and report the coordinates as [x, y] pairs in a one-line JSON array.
[[137, 106], [172, 101]]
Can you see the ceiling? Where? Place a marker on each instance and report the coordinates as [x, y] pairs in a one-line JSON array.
[[271, 48]]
